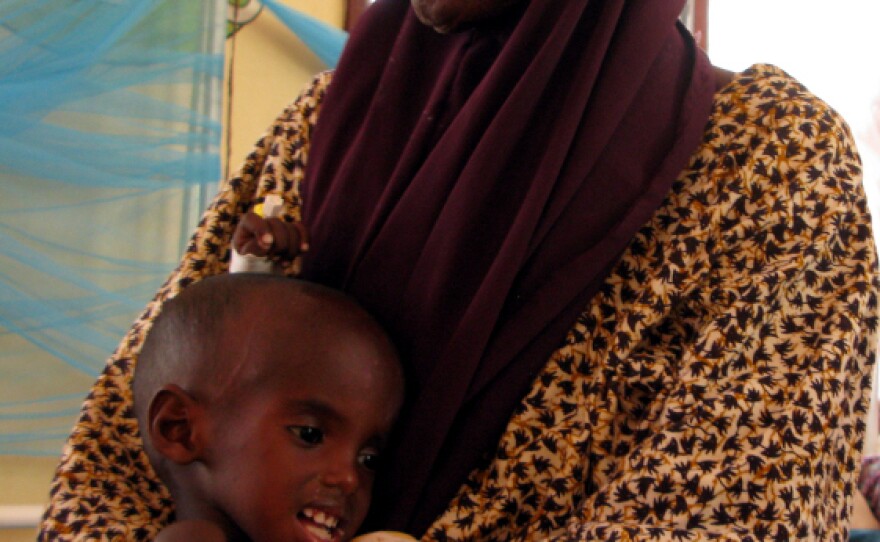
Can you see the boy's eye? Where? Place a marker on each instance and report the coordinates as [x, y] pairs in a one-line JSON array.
[[307, 433], [369, 459]]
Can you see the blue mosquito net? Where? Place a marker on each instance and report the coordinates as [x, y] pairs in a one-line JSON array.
[[109, 151]]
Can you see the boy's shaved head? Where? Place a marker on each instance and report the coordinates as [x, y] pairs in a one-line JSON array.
[[182, 345], [264, 403]]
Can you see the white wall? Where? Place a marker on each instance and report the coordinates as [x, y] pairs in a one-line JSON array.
[[832, 48]]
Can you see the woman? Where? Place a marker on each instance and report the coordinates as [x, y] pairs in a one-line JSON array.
[[636, 296]]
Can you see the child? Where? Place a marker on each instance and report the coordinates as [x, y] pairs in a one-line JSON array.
[[264, 403], [270, 236]]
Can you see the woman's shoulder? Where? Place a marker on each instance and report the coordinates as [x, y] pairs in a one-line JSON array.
[[766, 99], [294, 124], [319, 84], [775, 158], [767, 125], [308, 102]]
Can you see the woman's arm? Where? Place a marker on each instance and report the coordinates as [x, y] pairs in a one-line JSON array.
[[104, 487], [754, 431], [716, 388]]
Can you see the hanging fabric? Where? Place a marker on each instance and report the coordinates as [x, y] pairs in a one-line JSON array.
[[324, 40], [109, 149]]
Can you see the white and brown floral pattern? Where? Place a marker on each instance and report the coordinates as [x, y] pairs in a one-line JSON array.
[[715, 389]]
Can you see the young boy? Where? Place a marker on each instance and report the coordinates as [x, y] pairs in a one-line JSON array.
[[264, 403]]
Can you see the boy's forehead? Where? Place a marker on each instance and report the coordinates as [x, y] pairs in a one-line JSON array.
[[272, 313], [278, 331], [291, 307], [270, 329], [304, 368]]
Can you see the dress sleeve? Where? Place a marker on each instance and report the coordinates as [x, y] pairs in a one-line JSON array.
[[716, 388], [755, 431], [104, 487]]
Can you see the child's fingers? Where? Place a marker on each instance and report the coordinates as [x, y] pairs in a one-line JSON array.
[[250, 237], [290, 238], [303, 236], [266, 241]]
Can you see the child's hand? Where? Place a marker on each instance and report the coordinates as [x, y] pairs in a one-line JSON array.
[[270, 237]]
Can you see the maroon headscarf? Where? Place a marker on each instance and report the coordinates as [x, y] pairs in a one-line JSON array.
[[473, 190]]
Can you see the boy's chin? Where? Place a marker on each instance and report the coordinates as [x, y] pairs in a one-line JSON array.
[[384, 536], [321, 526]]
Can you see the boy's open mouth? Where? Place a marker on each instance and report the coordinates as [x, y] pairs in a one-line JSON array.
[[321, 524]]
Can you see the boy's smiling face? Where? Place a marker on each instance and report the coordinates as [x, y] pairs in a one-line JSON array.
[[296, 427]]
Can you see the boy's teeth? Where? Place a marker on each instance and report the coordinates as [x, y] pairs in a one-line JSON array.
[[319, 517]]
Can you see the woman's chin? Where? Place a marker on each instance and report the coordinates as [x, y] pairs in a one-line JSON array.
[[436, 17], [447, 16]]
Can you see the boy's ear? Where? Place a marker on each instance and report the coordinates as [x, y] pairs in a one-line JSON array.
[[175, 422]]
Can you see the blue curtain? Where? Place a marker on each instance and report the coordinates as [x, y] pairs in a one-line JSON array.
[[109, 136], [324, 40], [109, 152]]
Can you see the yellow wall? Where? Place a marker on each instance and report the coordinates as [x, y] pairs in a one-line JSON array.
[[271, 67]]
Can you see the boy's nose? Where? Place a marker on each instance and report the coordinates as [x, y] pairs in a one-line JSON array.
[[341, 473]]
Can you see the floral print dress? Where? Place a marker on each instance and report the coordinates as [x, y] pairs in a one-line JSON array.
[[715, 389]]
